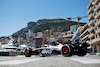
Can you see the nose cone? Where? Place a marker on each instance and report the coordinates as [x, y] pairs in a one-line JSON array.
[[62, 44]]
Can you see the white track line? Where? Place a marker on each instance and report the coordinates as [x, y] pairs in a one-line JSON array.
[[86, 60], [16, 62]]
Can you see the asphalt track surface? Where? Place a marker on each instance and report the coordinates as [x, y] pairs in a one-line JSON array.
[[50, 61]]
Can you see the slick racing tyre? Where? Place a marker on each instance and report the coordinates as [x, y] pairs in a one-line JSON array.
[[65, 51], [28, 53]]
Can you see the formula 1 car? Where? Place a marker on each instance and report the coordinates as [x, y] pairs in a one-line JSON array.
[[54, 47], [78, 48]]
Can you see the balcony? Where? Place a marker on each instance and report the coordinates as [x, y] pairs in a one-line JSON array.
[[85, 37], [91, 29], [91, 35], [84, 28], [90, 4], [97, 8], [90, 16], [96, 2], [97, 15], [97, 23], [84, 32], [98, 31], [95, 41], [90, 10], [90, 23]]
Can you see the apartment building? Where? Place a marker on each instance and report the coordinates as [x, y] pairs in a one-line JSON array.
[[76, 35], [91, 31], [85, 33], [70, 33]]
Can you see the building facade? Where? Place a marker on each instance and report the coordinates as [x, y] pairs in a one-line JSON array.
[[70, 33], [73, 28], [91, 31], [76, 35]]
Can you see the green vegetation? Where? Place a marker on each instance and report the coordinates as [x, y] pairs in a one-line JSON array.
[[61, 26], [67, 42]]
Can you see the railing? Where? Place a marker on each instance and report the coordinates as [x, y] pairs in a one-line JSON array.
[[90, 10], [91, 35], [89, 4], [98, 7], [97, 31], [96, 1], [97, 23], [84, 32], [97, 15], [91, 22], [91, 28], [91, 15], [94, 41], [85, 37]]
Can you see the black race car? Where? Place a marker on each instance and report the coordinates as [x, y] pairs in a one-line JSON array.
[[77, 48]]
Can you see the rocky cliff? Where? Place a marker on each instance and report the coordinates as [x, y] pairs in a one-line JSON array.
[[43, 24]]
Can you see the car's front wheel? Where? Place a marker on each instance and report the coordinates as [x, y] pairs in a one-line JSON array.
[[65, 51], [28, 53]]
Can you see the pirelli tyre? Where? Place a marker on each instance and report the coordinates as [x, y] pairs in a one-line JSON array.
[[65, 51], [28, 52]]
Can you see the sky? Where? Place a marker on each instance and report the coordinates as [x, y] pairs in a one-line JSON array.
[[15, 14]]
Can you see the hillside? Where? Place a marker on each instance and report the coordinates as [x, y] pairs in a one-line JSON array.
[[42, 25]]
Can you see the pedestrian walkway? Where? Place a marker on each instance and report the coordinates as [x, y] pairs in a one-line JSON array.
[[24, 56], [16, 62], [86, 60]]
